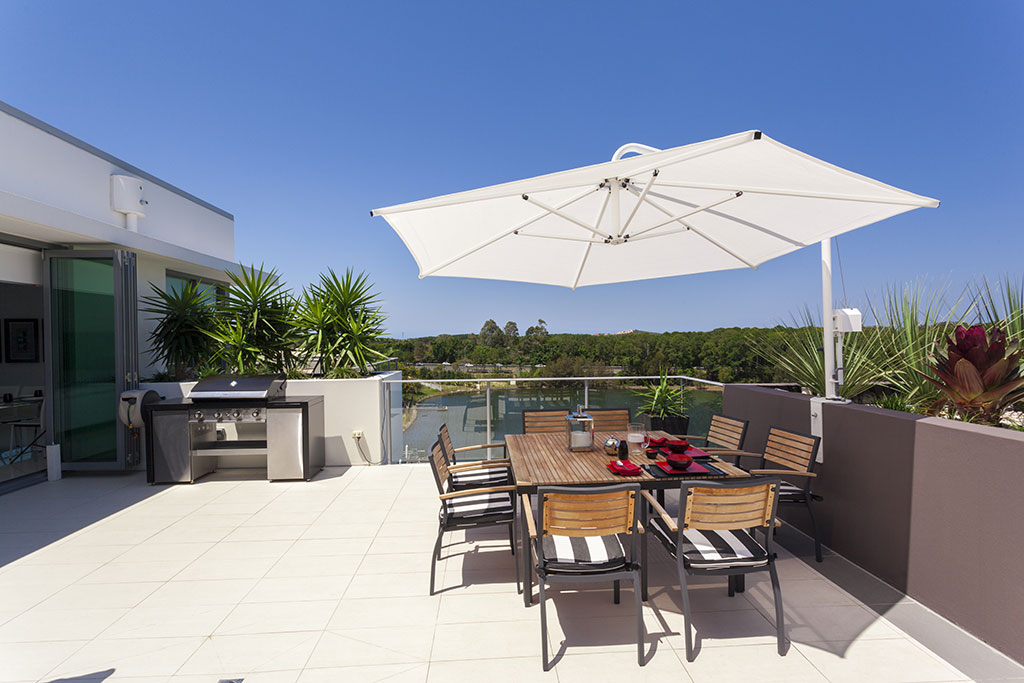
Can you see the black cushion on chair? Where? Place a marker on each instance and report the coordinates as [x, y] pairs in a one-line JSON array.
[[717, 549], [583, 554], [479, 505], [492, 476], [791, 493]]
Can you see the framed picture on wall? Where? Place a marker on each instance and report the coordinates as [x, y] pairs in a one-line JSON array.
[[21, 340]]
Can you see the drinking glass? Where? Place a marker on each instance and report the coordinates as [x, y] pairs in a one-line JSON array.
[[636, 437]]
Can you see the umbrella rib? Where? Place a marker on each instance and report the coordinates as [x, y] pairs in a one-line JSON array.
[[501, 235], [726, 216], [586, 253], [559, 237], [564, 216], [675, 217], [795, 193], [643, 195], [701, 234]]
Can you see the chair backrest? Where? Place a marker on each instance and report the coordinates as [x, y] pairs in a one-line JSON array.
[[589, 511], [446, 442], [727, 432], [439, 465], [610, 419], [791, 450], [728, 505], [544, 421]]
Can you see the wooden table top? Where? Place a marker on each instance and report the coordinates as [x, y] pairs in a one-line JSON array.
[[544, 460]]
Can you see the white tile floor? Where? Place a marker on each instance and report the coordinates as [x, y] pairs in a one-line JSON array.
[[234, 577]]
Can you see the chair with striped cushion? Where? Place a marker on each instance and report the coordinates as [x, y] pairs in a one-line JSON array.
[[469, 508], [475, 473], [610, 419], [725, 433], [580, 541], [544, 421], [789, 454], [453, 452], [712, 535]]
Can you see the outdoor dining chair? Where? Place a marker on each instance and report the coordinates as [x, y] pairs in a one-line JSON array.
[[453, 452], [725, 433], [544, 421], [475, 473], [790, 454], [469, 508], [712, 535], [579, 541], [610, 419]]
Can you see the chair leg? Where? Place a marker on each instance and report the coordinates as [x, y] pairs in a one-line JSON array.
[[780, 623], [814, 526], [732, 585], [543, 625], [639, 621], [615, 591], [684, 589], [511, 536], [643, 557], [515, 561], [435, 557]]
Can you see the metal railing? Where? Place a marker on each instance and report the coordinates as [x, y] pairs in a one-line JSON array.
[[485, 384]]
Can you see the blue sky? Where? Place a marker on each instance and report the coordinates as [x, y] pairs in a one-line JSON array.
[[300, 117]]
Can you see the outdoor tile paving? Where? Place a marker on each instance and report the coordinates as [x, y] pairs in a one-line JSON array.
[[108, 579]]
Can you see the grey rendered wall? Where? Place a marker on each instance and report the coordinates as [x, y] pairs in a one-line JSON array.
[[932, 506]]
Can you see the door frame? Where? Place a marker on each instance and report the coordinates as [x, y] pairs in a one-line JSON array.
[[126, 347]]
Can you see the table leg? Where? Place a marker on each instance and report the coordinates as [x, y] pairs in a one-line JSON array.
[[526, 554]]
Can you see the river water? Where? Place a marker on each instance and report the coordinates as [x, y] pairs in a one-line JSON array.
[[466, 413]]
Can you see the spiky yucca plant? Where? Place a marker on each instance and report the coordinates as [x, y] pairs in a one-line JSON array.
[[180, 338], [979, 376]]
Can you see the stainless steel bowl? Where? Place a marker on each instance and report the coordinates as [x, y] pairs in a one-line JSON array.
[[611, 446]]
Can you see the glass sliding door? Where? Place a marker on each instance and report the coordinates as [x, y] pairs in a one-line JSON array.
[[90, 321]]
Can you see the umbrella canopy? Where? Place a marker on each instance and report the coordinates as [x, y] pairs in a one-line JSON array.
[[732, 202]]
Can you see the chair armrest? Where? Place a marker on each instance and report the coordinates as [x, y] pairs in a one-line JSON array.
[[478, 465], [690, 436], [729, 451], [640, 527], [473, 492], [665, 517], [795, 473], [531, 525], [479, 447]]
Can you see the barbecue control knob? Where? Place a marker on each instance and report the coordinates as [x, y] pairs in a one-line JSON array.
[[256, 413], [237, 414], [199, 415], [216, 415]]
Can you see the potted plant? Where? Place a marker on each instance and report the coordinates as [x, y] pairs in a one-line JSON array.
[[662, 407]]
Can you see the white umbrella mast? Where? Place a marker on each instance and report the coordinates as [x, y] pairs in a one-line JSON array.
[[732, 202]]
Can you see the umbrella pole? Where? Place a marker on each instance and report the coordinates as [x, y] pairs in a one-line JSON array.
[[828, 321]]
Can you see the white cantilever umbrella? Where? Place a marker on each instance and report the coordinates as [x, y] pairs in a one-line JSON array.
[[732, 202]]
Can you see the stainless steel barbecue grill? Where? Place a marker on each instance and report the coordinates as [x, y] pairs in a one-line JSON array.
[[225, 418]]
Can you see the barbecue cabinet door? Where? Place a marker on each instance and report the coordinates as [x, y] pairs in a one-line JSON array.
[[91, 347]]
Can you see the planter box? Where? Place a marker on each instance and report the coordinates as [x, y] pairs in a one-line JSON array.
[[932, 506], [673, 424]]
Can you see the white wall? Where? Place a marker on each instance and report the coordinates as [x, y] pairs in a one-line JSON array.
[[24, 266], [349, 405], [42, 167]]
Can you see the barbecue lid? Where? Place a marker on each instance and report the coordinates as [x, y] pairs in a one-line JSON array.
[[238, 386]]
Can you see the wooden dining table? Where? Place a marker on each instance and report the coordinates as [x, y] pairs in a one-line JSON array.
[[545, 460]]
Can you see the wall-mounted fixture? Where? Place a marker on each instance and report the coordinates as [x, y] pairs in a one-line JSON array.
[[126, 196]]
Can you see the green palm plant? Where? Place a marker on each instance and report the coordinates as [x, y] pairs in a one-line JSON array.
[[661, 399], [256, 322], [341, 323], [1002, 304], [180, 339], [796, 352], [910, 320]]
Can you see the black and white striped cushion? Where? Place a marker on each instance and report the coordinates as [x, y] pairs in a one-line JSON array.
[[583, 553], [791, 492], [492, 476], [479, 505], [718, 549]]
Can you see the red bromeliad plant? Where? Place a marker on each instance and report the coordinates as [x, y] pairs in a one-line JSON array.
[[980, 376]]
